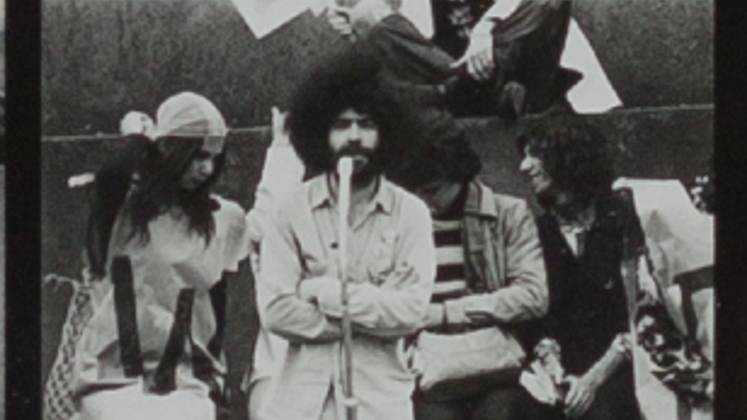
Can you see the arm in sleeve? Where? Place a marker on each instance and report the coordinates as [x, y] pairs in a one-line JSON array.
[[407, 54], [238, 236], [510, 21], [397, 307], [281, 310], [526, 295], [281, 173]]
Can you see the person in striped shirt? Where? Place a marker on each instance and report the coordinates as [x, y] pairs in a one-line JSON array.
[[490, 271]]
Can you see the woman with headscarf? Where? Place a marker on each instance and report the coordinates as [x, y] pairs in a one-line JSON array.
[[157, 245]]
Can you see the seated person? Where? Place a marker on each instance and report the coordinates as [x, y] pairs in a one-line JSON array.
[[157, 246], [490, 274], [512, 63], [583, 232]]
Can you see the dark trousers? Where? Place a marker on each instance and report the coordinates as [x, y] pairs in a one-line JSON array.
[[527, 47], [527, 50], [501, 403]]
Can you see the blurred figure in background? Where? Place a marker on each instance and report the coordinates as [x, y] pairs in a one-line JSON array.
[[282, 173]]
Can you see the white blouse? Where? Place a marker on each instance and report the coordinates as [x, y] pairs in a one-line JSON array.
[[173, 260]]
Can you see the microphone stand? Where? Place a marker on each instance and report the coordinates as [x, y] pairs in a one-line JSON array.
[[344, 170]]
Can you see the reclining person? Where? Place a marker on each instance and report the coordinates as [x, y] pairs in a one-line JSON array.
[[486, 59]]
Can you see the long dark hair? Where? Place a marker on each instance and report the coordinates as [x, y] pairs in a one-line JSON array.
[[573, 154], [150, 173], [157, 187]]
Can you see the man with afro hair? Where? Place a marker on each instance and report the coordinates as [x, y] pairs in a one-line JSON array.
[[341, 110]]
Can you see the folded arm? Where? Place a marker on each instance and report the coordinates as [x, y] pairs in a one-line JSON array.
[[282, 310], [396, 307]]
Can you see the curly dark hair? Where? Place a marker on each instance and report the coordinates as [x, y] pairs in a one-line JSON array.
[[350, 79], [451, 159], [573, 154]]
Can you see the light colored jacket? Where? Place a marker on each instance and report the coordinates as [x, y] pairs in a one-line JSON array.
[[281, 175], [504, 250], [392, 270]]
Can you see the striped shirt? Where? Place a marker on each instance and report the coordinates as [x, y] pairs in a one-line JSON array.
[[450, 277]]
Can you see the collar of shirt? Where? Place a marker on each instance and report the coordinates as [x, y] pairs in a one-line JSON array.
[[321, 196], [480, 201]]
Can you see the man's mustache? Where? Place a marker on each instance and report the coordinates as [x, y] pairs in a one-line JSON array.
[[355, 150]]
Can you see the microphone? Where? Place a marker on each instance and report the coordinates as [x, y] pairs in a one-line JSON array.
[[345, 171], [345, 167]]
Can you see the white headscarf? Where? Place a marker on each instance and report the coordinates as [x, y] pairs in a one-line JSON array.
[[185, 114]]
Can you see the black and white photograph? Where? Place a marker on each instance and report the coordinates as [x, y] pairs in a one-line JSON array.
[[376, 210]]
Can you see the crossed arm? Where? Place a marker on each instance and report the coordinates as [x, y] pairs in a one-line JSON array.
[[309, 309]]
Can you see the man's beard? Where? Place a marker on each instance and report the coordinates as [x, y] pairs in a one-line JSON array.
[[363, 172]]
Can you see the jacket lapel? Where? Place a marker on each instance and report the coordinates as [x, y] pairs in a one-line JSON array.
[[478, 223]]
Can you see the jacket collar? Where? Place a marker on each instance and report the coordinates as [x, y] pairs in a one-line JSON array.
[[480, 201], [320, 194]]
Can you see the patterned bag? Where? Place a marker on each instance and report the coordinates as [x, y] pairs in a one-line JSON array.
[[59, 402], [672, 317]]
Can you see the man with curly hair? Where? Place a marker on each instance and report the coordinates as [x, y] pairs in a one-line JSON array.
[[341, 110], [587, 232]]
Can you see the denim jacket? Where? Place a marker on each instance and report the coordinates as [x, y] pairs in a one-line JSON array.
[[503, 250]]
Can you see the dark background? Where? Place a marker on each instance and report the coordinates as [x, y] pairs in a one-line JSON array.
[[103, 58]]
